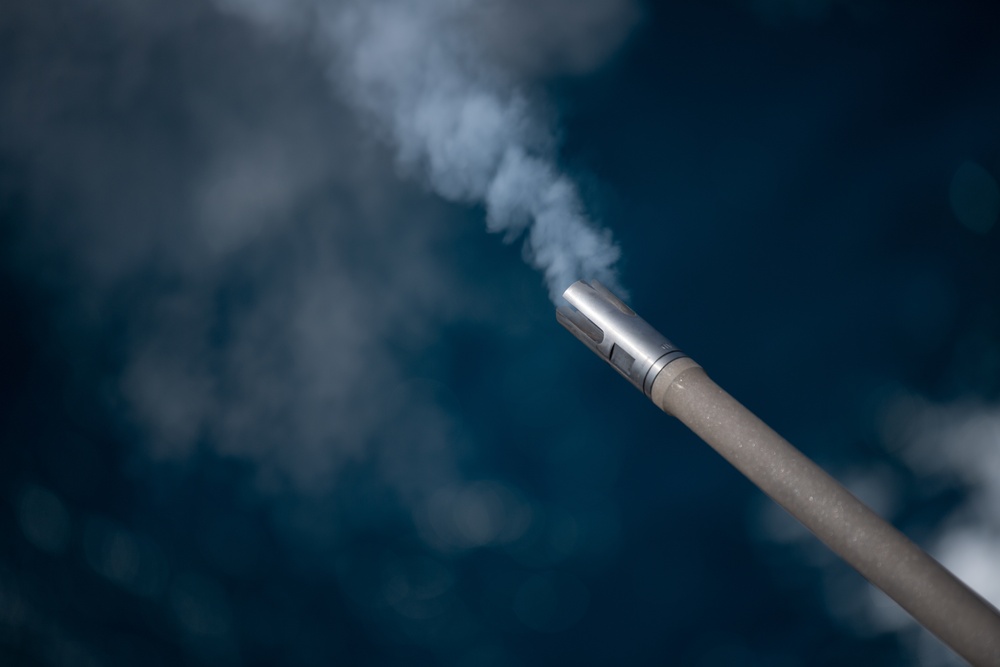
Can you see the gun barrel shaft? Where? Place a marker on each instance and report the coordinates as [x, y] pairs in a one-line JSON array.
[[883, 555]]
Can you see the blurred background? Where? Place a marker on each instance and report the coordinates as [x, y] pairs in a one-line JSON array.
[[267, 397]]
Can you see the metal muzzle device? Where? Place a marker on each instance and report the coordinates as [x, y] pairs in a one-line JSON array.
[[883, 555], [615, 333]]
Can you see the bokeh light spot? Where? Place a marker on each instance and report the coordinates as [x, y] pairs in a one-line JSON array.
[[475, 515], [123, 558], [200, 605], [43, 518], [13, 609], [975, 197]]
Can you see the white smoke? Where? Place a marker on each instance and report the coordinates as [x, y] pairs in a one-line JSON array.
[[246, 284], [273, 269], [436, 80]]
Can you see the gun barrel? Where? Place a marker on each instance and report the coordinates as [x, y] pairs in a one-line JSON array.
[[883, 555]]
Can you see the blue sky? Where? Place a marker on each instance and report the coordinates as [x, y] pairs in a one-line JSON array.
[[282, 379]]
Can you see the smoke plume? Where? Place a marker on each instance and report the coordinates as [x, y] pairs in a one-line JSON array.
[[240, 284], [439, 82], [237, 230]]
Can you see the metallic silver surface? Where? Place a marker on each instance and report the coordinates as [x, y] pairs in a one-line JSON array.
[[613, 331]]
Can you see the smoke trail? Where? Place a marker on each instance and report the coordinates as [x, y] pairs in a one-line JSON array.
[[424, 76]]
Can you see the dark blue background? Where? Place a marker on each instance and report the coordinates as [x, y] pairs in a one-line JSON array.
[[778, 180]]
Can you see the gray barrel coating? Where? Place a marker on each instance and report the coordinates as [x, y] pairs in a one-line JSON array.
[[882, 554]]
